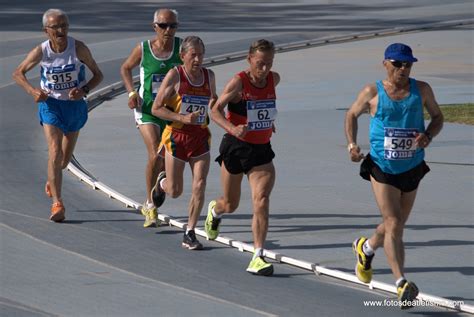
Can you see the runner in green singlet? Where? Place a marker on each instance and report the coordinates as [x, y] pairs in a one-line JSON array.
[[155, 57]]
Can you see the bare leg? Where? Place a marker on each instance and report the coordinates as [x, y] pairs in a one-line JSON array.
[[173, 183], [68, 144], [395, 208], [200, 169], [151, 137], [229, 201], [261, 179], [54, 138]]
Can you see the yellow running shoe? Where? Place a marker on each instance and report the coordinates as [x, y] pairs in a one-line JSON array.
[[151, 217], [259, 266], [407, 292], [363, 267], [211, 226]]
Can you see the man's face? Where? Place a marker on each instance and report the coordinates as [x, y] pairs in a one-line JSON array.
[[165, 25], [193, 58], [57, 28], [260, 63], [397, 70]]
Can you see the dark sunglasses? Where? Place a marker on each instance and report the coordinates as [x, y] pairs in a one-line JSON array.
[[399, 64], [164, 26]]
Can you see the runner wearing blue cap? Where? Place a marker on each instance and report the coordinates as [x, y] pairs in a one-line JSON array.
[[395, 164]]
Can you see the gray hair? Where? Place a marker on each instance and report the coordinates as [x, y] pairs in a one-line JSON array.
[[157, 13], [262, 46], [53, 12], [189, 42]]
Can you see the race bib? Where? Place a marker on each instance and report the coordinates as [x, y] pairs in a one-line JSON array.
[[156, 81], [261, 114], [190, 104], [61, 78], [399, 144]]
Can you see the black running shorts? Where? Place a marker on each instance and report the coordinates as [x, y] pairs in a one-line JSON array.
[[240, 157], [406, 181]]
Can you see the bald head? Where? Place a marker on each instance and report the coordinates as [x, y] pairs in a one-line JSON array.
[[165, 15]]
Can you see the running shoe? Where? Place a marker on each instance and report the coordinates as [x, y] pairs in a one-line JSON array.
[[259, 266], [211, 226], [57, 212], [151, 217], [407, 292], [363, 267], [190, 241], [47, 190], [157, 193]]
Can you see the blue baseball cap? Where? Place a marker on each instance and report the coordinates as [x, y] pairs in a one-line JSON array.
[[400, 52]]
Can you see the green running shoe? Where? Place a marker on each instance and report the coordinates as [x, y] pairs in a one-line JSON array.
[[211, 226], [259, 266]]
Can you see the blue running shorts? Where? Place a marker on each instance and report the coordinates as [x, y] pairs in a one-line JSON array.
[[67, 115]]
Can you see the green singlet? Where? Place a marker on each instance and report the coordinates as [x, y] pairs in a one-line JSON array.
[[152, 72]]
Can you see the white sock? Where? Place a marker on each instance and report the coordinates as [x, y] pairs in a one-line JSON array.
[[400, 280], [367, 249], [214, 214], [149, 205], [161, 183], [258, 252]]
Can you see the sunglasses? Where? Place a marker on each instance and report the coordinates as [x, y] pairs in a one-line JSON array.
[[164, 26], [399, 64]]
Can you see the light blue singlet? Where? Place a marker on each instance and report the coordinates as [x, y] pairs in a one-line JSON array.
[[393, 130]]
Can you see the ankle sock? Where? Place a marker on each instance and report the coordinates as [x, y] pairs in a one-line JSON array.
[[400, 281], [214, 214], [258, 252], [367, 249]]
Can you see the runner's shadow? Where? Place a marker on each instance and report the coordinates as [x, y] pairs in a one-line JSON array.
[[127, 211], [100, 220], [408, 245], [434, 313], [464, 270]]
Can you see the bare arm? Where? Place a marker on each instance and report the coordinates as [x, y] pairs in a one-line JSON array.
[[126, 72], [437, 118], [276, 78], [167, 90], [212, 80], [276, 81], [232, 92], [85, 56], [32, 59], [361, 105]]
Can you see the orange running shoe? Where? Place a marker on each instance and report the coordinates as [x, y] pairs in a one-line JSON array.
[[47, 190], [57, 212]]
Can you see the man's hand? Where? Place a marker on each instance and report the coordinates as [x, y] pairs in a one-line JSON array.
[[76, 93], [191, 118], [354, 152], [422, 140], [134, 101], [39, 94], [239, 131]]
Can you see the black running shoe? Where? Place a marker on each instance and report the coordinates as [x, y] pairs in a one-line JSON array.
[[157, 193], [190, 242]]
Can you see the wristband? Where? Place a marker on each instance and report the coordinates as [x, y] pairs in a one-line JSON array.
[[132, 94], [85, 89], [350, 146]]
